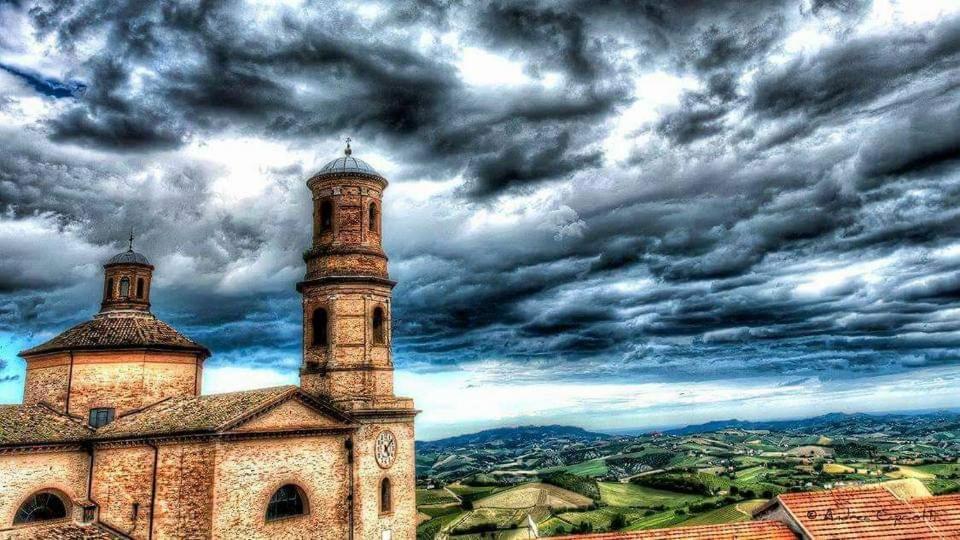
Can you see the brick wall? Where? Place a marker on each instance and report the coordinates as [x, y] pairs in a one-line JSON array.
[[402, 521], [21, 475], [350, 313], [124, 380], [123, 477], [185, 491], [249, 472], [46, 380]]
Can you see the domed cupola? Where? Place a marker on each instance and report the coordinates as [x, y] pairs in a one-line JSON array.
[[126, 282], [347, 165]]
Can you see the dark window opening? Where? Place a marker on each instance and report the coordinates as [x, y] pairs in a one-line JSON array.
[[386, 502], [373, 217], [320, 327], [379, 333], [140, 287], [326, 216], [125, 287], [101, 416], [42, 506], [109, 292], [288, 501], [88, 514]]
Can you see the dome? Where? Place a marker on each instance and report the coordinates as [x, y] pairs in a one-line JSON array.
[[128, 257], [348, 164]]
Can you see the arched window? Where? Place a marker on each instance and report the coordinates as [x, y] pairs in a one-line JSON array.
[[379, 333], [42, 506], [140, 287], [373, 217], [326, 216], [320, 328], [386, 497], [109, 292], [125, 287], [287, 501]]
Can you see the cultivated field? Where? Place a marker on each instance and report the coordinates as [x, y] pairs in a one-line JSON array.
[[535, 494]]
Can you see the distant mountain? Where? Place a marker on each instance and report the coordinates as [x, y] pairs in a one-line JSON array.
[[511, 436], [832, 422]]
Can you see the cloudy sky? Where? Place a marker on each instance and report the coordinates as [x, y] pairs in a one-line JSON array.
[[612, 214]]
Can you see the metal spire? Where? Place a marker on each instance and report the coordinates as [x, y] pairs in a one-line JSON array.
[[130, 248], [347, 151]]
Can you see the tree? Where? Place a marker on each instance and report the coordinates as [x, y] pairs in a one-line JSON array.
[[618, 522]]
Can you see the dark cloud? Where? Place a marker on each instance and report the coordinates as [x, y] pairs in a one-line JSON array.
[[853, 74], [561, 37], [784, 213]]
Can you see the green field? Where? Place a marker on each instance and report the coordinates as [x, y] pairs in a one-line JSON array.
[[435, 496], [655, 521], [617, 494], [731, 513], [601, 518], [940, 469], [592, 467], [429, 529]]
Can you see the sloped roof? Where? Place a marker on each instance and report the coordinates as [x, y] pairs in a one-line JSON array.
[[123, 330], [204, 414], [73, 531], [872, 512], [747, 530], [38, 424]]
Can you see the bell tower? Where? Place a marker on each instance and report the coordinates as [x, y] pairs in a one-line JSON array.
[[346, 345], [346, 290]]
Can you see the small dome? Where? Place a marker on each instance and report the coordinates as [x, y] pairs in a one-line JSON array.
[[348, 164], [128, 257]]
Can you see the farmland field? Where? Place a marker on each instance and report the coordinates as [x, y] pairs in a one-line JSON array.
[[535, 494], [617, 494], [910, 472], [940, 469], [726, 514], [655, 521], [435, 496], [592, 467], [836, 468]]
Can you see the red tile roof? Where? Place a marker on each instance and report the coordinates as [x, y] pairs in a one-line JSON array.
[[25, 425], [71, 531], [128, 330], [747, 530], [872, 512]]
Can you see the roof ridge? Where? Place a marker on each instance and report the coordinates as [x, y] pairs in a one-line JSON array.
[[145, 407], [64, 416], [239, 419]]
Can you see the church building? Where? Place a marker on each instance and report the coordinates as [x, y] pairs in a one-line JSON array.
[[114, 440]]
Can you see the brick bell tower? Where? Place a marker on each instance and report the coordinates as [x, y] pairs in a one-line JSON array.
[[346, 344]]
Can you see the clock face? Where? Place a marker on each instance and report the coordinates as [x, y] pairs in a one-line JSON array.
[[386, 449]]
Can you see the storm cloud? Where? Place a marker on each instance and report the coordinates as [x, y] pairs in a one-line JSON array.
[[622, 191]]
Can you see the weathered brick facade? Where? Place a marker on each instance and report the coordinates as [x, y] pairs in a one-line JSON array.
[[124, 380], [25, 473], [173, 464]]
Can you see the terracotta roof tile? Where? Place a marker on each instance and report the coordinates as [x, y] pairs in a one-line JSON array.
[[747, 530], [119, 331], [38, 424], [873, 513], [193, 414], [73, 531]]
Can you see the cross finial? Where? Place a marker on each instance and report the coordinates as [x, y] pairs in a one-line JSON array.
[[130, 248], [347, 151]]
